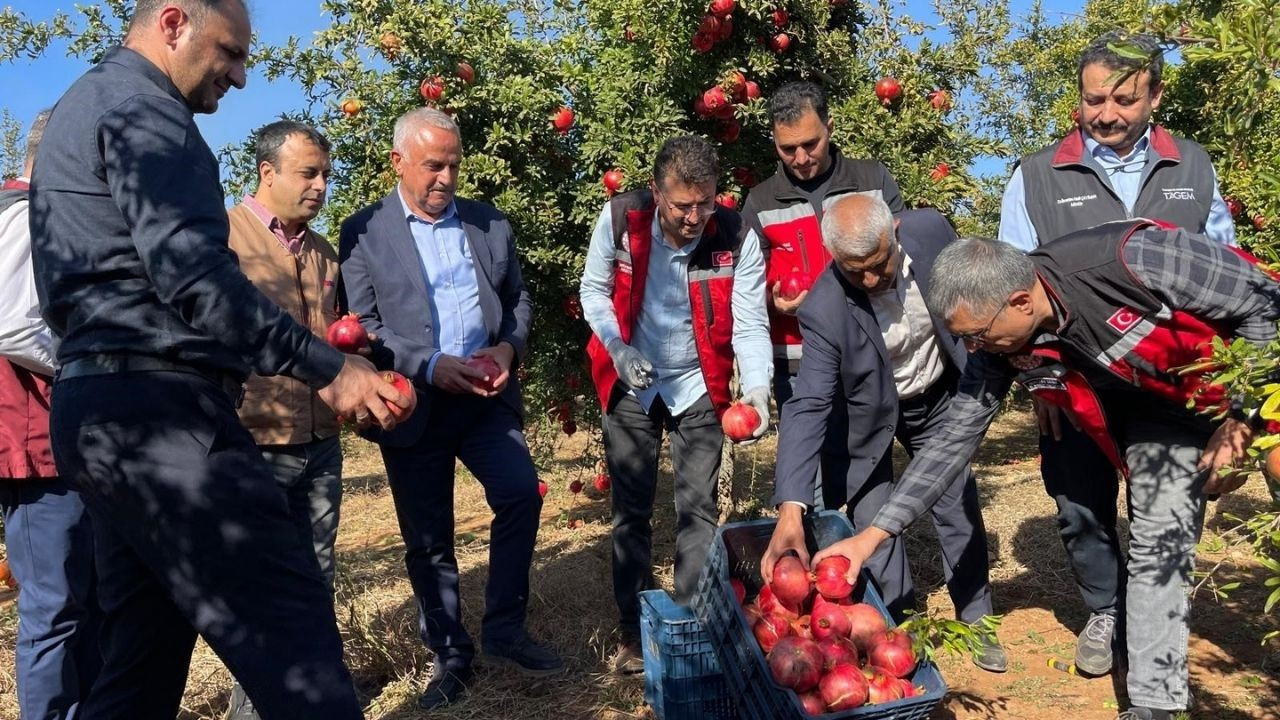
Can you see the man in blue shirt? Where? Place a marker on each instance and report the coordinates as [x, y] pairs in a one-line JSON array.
[[673, 289], [1116, 165], [435, 277]]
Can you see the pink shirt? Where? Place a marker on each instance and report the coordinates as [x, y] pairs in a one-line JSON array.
[[291, 243]]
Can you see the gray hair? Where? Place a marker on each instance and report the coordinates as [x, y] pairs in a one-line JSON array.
[[410, 123], [35, 135], [857, 239], [1099, 51], [979, 274]]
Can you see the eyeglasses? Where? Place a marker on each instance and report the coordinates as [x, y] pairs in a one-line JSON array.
[[980, 336], [687, 209]]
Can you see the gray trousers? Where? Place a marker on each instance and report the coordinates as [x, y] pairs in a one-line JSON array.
[[957, 516], [1166, 513], [632, 439]]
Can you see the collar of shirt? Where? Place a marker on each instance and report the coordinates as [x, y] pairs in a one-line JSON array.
[[411, 216], [134, 60], [660, 239], [292, 243], [1106, 156]]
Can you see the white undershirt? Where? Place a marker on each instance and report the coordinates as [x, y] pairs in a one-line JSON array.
[[25, 340], [909, 334]]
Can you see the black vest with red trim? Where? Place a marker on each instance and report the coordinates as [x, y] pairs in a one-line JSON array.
[[1067, 190], [711, 268], [1112, 322]]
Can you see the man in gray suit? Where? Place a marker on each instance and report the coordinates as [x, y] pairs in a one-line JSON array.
[[876, 365], [435, 277]]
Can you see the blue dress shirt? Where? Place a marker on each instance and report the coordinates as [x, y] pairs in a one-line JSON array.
[[1125, 176], [453, 291]]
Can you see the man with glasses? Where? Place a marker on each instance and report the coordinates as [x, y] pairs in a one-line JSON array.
[[1117, 165], [1100, 321], [877, 365], [673, 289]]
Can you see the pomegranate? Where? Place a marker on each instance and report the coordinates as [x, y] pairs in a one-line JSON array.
[[562, 120], [751, 91], [727, 112], [909, 690], [882, 687], [489, 367], [796, 663], [891, 651], [830, 577], [793, 283], [700, 107], [769, 629], [390, 43], [714, 98], [888, 89], [1234, 206], [569, 427], [812, 703], [575, 487], [940, 100], [744, 176], [601, 483], [1272, 467], [612, 180], [780, 43], [739, 422], [803, 627], [843, 688], [752, 613], [347, 334], [940, 171], [432, 88], [351, 107], [837, 651], [866, 623], [780, 18], [722, 8], [770, 605], [1259, 222], [728, 131], [466, 73], [726, 28], [727, 201], [400, 383], [829, 620], [702, 42], [542, 488], [739, 590], [790, 581], [709, 25], [6, 575]]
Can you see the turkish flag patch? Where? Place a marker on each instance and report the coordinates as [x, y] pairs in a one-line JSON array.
[[721, 258], [1124, 319]]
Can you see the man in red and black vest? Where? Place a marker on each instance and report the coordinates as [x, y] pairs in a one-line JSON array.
[[1116, 165], [673, 289], [786, 211], [47, 532], [1100, 322]]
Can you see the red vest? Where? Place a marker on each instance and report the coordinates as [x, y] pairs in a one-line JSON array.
[[24, 414], [711, 268], [1120, 326]]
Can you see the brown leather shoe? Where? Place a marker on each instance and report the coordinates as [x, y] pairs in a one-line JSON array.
[[630, 658]]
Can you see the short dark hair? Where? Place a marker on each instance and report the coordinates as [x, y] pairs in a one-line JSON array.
[[1100, 52], [268, 140], [794, 99], [36, 134], [687, 158], [144, 10]]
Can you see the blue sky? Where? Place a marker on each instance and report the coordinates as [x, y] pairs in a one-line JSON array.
[[31, 85]]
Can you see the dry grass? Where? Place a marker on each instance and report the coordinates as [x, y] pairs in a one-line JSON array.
[[571, 604]]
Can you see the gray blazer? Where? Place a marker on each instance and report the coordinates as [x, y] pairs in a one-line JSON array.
[[382, 282], [845, 400]]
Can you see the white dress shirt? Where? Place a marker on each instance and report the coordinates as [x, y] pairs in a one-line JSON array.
[[25, 340], [909, 334]]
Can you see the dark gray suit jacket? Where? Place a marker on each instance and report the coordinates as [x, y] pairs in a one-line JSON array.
[[845, 400], [382, 282]]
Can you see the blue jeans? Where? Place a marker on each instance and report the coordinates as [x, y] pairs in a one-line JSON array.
[[311, 476], [50, 546]]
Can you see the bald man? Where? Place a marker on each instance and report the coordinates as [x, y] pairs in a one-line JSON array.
[[875, 366]]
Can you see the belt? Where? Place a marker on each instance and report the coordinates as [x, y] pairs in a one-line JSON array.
[[114, 364]]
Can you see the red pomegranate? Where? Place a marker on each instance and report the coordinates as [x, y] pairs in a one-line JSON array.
[[542, 489], [489, 367], [739, 590], [753, 614], [790, 581], [770, 605], [793, 283], [803, 627], [714, 98], [882, 687], [888, 89], [347, 334], [739, 422], [830, 577], [401, 383], [601, 483], [575, 487], [722, 8], [843, 688], [796, 663], [891, 651], [865, 623], [769, 629], [812, 703], [837, 651], [829, 620]]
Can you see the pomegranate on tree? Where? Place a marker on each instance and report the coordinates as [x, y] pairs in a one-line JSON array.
[[432, 88], [466, 73], [562, 120], [888, 89], [722, 8]]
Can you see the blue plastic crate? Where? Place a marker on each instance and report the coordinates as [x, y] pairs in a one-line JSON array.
[[736, 552], [682, 678]]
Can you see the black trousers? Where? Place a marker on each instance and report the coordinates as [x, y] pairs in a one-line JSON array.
[[957, 516], [486, 435], [193, 535], [632, 439], [1084, 485]]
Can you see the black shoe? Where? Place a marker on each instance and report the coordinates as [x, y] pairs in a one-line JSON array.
[[991, 655], [448, 686], [524, 656], [630, 657]]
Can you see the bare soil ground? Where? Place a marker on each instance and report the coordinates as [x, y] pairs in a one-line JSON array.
[[1234, 677]]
